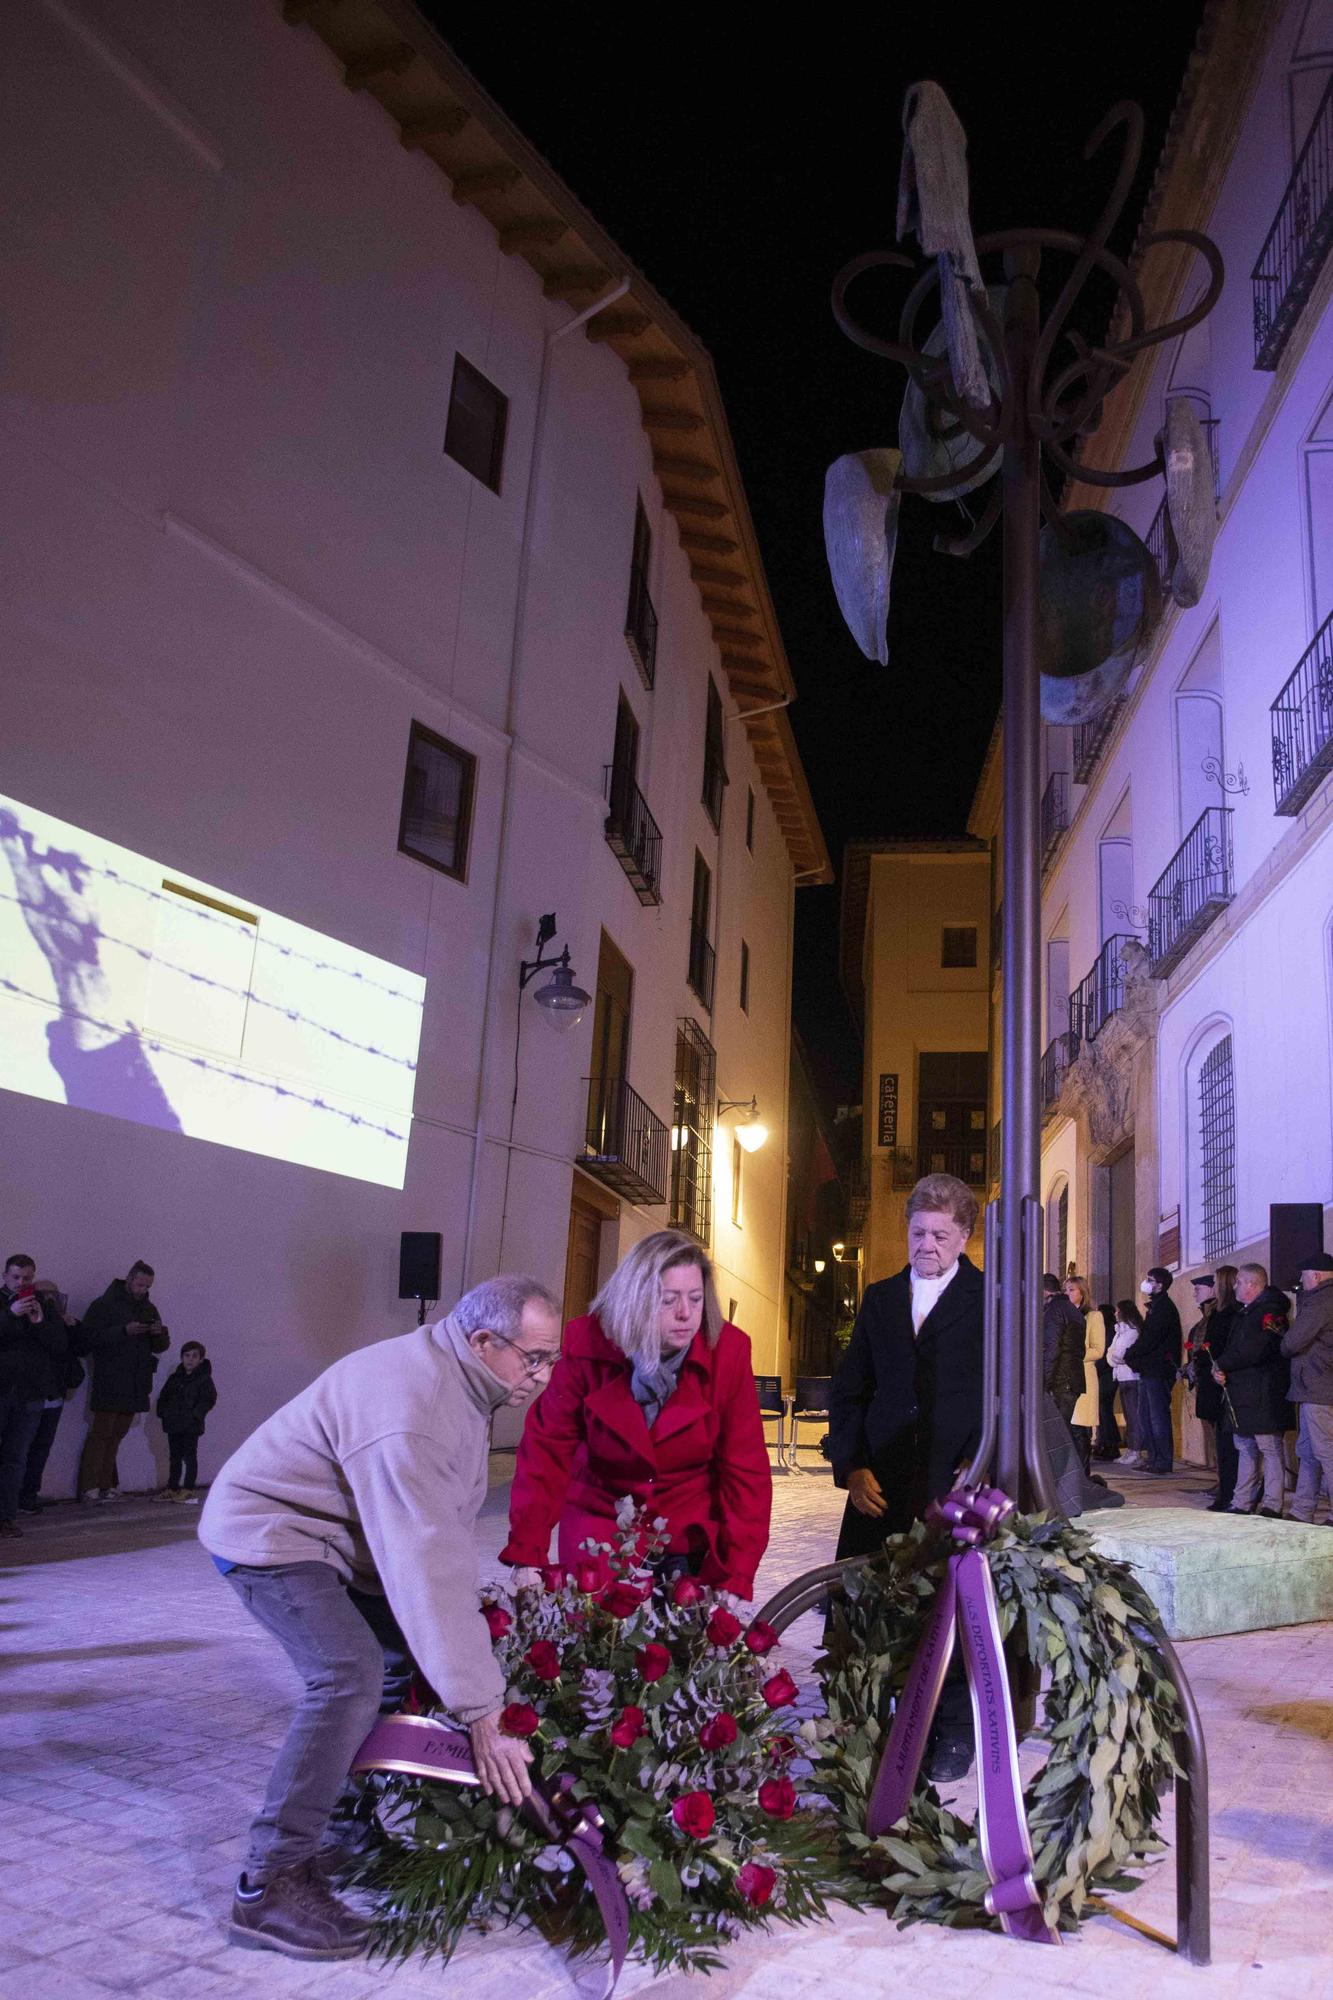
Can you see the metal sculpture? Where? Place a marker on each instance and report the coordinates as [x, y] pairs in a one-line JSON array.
[[1045, 387]]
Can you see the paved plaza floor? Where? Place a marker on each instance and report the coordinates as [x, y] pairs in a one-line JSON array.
[[140, 1708]]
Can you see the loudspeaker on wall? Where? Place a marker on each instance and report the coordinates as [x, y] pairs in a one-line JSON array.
[[419, 1264], [1295, 1232]]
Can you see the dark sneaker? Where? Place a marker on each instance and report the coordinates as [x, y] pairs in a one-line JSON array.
[[948, 1760], [296, 1912], [10, 1529]]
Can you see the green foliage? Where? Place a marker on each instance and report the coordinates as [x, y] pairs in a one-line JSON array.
[[1110, 1717], [448, 1856]]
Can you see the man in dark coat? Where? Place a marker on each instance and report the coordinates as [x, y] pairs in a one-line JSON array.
[[64, 1373], [1155, 1359], [1256, 1376], [124, 1334], [29, 1337], [1063, 1341], [1308, 1342], [905, 1403]]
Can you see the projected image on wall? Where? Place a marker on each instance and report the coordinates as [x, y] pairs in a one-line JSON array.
[[129, 988]]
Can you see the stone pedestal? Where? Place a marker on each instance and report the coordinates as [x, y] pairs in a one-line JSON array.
[[1214, 1573]]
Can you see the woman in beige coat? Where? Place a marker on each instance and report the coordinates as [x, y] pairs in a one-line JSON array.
[[1084, 1420]]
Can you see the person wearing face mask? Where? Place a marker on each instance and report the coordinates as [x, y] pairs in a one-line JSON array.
[[905, 1403], [653, 1399], [1128, 1329], [1155, 1359]]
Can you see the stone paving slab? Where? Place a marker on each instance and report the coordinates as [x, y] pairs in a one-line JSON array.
[[139, 1709]]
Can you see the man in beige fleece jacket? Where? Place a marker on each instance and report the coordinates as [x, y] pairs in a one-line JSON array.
[[345, 1526]]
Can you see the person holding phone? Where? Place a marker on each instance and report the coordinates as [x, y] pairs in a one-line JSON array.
[[27, 1347], [124, 1334]]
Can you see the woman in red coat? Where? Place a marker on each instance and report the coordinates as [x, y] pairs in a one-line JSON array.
[[652, 1397]]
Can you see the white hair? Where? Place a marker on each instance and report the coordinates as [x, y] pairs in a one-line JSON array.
[[496, 1305], [628, 1303]]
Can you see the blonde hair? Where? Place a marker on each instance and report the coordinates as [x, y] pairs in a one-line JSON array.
[[627, 1305], [1084, 1295]]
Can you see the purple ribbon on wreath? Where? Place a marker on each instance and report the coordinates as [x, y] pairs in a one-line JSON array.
[[423, 1747], [965, 1605]]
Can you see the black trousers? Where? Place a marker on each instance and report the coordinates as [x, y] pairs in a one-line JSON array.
[[1227, 1461], [38, 1453], [861, 1536], [183, 1460], [1108, 1430]]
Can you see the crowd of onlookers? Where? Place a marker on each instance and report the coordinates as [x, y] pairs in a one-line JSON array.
[[1260, 1369], [45, 1356]]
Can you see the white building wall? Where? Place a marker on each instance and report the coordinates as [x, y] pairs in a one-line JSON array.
[[1263, 968], [237, 566]]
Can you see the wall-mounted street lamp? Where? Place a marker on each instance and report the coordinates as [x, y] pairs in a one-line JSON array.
[[819, 1267], [750, 1132], [561, 1001]]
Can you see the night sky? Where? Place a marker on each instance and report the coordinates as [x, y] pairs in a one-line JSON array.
[[739, 172]]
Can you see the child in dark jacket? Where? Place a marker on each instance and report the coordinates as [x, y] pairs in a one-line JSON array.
[[188, 1394]]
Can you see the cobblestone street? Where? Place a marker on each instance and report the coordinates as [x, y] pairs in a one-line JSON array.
[[142, 1708]]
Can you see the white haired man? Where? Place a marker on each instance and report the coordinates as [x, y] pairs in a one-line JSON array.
[[345, 1526]]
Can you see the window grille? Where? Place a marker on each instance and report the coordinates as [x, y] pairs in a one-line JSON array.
[[1217, 1149], [958, 946], [692, 1131]]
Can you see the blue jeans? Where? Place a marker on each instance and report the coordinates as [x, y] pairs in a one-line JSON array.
[[19, 1419], [354, 1662], [1155, 1422]]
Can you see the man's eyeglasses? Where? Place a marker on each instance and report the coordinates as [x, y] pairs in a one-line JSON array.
[[534, 1364]]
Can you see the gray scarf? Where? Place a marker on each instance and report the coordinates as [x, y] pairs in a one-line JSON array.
[[651, 1387]]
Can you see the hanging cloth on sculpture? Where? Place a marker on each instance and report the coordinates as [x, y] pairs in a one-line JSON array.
[[1191, 510], [861, 504], [932, 441], [933, 206]]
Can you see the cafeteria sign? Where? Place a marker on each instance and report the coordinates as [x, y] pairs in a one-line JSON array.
[[888, 1110]]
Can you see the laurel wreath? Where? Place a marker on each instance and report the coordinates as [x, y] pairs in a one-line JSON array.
[[1110, 1715]]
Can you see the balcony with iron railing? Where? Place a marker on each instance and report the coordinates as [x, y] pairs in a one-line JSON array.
[[625, 1145], [702, 967], [1054, 815], [964, 1159], [1303, 726], [1292, 257], [1194, 888], [1102, 992], [641, 627], [1054, 1067], [1158, 536], [633, 835], [1090, 739]]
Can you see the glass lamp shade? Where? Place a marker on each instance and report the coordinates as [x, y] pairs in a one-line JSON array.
[[752, 1136], [562, 1002]]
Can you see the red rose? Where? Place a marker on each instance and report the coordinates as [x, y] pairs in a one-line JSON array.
[[544, 1659], [687, 1591], [780, 1748], [622, 1600], [723, 1629], [554, 1576], [628, 1727], [717, 1732], [497, 1619], [777, 1796], [694, 1815], [519, 1720], [755, 1884], [761, 1638], [781, 1690], [653, 1662], [591, 1574]]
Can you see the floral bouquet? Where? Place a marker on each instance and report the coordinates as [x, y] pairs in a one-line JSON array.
[[655, 1706]]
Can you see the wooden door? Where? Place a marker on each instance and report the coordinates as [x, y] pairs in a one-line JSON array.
[[582, 1257]]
